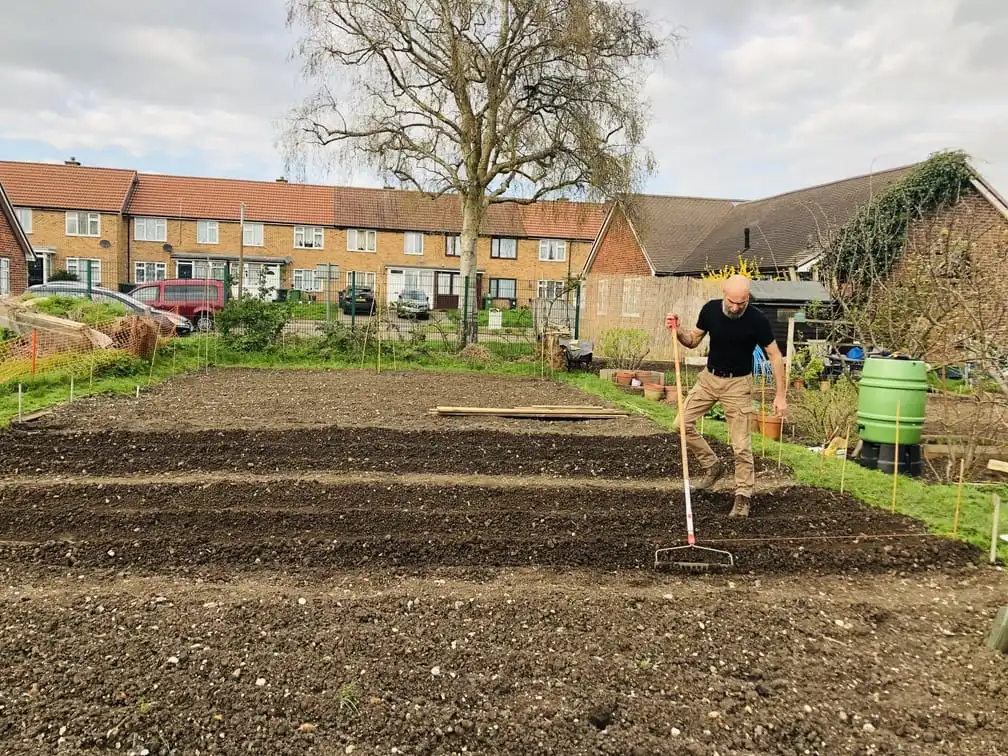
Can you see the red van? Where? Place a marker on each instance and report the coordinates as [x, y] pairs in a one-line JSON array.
[[198, 299]]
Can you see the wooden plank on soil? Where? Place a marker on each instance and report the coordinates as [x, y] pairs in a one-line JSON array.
[[29, 416], [998, 638], [940, 450], [529, 412]]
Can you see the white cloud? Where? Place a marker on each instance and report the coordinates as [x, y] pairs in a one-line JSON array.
[[763, 96]]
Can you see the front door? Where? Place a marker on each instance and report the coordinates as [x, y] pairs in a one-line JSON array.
[[446, 288]]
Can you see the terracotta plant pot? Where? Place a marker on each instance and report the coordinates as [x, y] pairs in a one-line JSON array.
[[798, 383], [654, 391], [623, 377], [769, 425]]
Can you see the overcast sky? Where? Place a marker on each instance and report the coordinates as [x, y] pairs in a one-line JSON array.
[[763, 96]]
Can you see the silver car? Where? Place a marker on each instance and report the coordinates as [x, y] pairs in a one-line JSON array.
[[413, 303]]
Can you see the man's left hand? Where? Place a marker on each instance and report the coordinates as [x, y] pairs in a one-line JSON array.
[[780, 406]]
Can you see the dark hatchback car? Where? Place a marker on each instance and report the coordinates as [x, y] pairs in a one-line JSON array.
[[360, 300], [168, 322]]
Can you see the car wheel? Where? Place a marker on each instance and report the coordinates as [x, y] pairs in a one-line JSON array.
[[204, 322]]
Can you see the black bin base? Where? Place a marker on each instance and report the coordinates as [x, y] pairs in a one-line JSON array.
[[880, 457]]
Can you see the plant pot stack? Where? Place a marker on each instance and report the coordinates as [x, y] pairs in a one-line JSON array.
[[650, 383]]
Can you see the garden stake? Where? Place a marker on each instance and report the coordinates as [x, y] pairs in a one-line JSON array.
[[71, 387], [843, 466], [762, 410], [157, 338], [706, 558], [955, 522], [19, 402], [895, 467], [994, 529], [780, 444]]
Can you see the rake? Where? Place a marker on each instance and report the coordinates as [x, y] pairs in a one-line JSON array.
[[690, 558]]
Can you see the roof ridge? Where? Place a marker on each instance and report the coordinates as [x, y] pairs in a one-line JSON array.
[[42, 164], [686, 197], [834, 182]]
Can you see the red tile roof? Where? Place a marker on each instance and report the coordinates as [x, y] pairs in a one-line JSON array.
[[66, 187], [221, 199]]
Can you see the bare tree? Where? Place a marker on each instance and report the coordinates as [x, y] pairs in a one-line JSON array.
[[487, 100]]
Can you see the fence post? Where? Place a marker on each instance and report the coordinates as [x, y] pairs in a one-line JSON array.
[[89, 278], [464, 320], [577, 311], [353, 299], [34, 349]]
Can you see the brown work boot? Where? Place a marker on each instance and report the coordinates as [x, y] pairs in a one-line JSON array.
[[741, 508], [709, 478]]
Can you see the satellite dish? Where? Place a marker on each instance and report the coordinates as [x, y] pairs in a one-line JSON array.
[[104, 244], [166, 247]]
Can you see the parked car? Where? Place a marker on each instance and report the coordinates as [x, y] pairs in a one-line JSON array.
[[413, 303], [168, 322], [199, 299], [360, 300]]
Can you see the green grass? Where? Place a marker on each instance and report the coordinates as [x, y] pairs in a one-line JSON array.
[[934, 504]]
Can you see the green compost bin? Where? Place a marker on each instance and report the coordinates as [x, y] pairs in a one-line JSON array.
[[888, 383]]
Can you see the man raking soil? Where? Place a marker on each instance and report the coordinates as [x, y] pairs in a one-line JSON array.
[[735, 327]]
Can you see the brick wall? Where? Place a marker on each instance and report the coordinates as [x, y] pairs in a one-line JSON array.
[[618, 250], [12, 252], [971, 295], [49, 232]]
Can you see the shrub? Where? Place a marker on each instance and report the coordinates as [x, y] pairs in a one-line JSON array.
[[815, 414], [624, 348], [252, 325]]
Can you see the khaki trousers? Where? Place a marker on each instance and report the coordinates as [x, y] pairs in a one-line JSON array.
[[735, 395]]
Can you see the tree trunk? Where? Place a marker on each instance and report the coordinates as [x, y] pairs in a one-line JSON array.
[[472, 216]]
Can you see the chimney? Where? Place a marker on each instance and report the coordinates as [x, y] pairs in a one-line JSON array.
[[71, 161], [281, 180], [746, 232]]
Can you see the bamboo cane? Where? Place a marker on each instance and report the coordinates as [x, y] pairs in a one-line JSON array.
[[895, 471], [843, 466], [958, 507]]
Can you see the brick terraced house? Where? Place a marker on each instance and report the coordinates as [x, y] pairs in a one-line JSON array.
[[16, 252]]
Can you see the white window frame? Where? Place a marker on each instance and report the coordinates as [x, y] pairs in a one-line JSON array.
[[309, 237], [545, 286], [24, 216], [353, 240], [88, 217], [602, 294], [207, 232], [496, 248], [366, 279], [631, 304], [140, 271], [453, 245], [5, 269], [74, 265], [150, 229], [257, 236], [552, 250], [306, 279], [413, 243]]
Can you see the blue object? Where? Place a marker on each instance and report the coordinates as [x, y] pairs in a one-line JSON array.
[[761, 364], [855, 353]]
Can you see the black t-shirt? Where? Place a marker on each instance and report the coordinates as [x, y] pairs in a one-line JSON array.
[[732, 342]]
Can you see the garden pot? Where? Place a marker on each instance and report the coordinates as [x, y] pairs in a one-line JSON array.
[[798, 383], [654, 391], [623, 377], [769, 425]]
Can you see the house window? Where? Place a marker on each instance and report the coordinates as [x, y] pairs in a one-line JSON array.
[[24, 216], [78, 266], [552, 250], [550, 289], [453, 246], [206, 232], [360, 240], [305, 280], [252, 236], [503, 288], [145, 272], [364, 279], [4, 276], [82, 223], [504, 249], [602, 305], [308, 237], [150, 229], [413, 243], [632, 297]]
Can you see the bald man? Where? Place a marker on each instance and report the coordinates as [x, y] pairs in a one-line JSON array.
[[735, 327]]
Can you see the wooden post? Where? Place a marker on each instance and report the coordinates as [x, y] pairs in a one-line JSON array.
[[995, 531], [998, 638], [895, 469], [34, 349], [958, 507], [790, 351], [843, 466]]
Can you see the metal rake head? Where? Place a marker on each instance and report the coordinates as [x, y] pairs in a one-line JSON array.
[[693, 558]]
